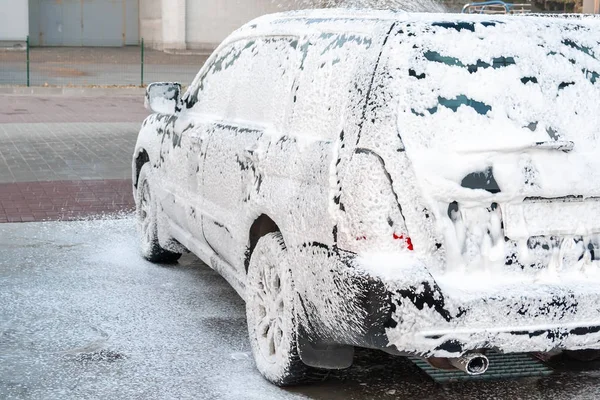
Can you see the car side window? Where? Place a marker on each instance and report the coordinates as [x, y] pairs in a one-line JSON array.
[[327, 73], [212, 89], [262, 96], [249, 82]]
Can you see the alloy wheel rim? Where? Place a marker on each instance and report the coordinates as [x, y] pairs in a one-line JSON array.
[[144, 211], [269, 309]]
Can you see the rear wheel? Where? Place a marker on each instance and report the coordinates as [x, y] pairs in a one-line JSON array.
[[270, 314], [146, 213]]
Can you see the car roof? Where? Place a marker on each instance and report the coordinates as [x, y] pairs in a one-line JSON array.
[[343, 20], [300, 23]]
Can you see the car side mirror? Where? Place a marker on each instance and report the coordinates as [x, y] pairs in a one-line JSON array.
[[162, 97]]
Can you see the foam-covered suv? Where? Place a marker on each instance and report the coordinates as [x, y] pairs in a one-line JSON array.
[[420, 184]]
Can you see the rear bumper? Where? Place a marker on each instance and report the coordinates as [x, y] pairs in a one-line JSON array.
[[516, 339], [408, 312]]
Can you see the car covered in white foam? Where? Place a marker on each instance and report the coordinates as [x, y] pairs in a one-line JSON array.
[[422, 184]]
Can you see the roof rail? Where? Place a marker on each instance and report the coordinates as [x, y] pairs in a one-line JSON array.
[[567, 15], [496, 7]]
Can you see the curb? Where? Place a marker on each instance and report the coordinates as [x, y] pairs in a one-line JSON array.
[[73, 91]]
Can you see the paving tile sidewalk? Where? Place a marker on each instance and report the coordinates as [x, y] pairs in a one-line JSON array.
[[66, 109], [67, 170], [104, 66], [72, 151], [63, 200]]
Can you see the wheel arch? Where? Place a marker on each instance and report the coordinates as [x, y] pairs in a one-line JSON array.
[[261, 226], [312, 353]]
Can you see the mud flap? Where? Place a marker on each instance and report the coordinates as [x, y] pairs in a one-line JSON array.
[[325, 356]]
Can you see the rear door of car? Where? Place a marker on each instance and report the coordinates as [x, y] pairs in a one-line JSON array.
[[262, 71], [204, 109]]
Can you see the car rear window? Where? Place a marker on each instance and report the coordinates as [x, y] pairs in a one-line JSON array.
[[458, 82]]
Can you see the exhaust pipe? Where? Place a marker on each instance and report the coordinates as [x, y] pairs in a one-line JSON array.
[[471, 363]]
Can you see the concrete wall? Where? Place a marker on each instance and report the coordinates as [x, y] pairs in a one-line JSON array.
[[203, 24], [14, 20], [173, 23], [132, 21], [198, 24], [151, 22], [208, 22], [591, 6]]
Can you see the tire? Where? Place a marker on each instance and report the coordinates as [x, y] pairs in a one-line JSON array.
[[271, 318], [146, 214]]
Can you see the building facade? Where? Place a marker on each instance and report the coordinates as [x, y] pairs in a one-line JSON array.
[[14, 22], [83, 22], [203, 24], [591, 6], [166, 24], [199, 24]]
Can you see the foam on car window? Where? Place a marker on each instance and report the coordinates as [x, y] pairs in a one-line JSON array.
[[329, 66], [261, 98], [584, 49], [225, 60], [340, 40], [497, 62], [592, 76], [458, 26], [460, 68], [461, 100]]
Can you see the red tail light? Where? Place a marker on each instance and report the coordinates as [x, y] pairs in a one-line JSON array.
[[406, 239], [371, 219]]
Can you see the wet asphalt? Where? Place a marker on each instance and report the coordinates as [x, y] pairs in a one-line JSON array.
[[83, 316]]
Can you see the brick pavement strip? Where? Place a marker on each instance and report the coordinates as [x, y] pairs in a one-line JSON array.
[[64, 109], [75, 168], [64, 200], [72, 151], [84, 66]]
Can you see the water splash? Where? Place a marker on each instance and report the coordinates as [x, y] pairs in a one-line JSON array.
[[396, 5]]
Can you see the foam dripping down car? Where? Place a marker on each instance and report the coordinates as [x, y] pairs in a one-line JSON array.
[[426, 185]]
